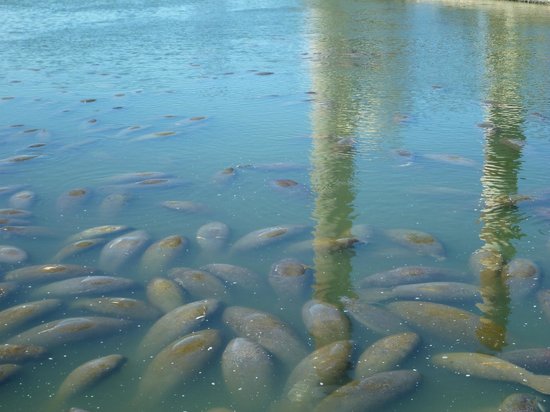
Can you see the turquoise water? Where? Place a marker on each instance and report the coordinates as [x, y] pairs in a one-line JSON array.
[[430, 116]]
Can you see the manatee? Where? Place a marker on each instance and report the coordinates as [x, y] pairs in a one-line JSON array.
[[236, 276], [47, 273], [451, 159], [374, 318], [145, 184], [19, 353], [85, 285], [490, 367], [73, 200], [441, 292], [290, 279], [213, 237], [408, 274], [289, 187], [248, 373], [126, 308], [372, 393], [22, 200], [160, 256], [267, 330], [18, 315], [267, 237], [522, 402], [99, 231], [164, 294], [13, 221], [178, 322], [7, 371], [12, 255], [122, 250], [87, 375], [225, 176], [30, 232], [177, 363], [522, 276], [77, 248], [133, 177], [68, 330], [185, 206], [11, 189], [386, 354], [15, 213], [439, 321], [316, 374], [536, 360], [325, 322], [420, 242], [199, 283], [486, 258], [112, 204]]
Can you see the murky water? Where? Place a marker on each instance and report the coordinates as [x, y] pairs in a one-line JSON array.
[[380, 128]]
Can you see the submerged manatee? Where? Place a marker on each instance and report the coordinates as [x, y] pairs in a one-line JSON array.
[[267, 237], [199, 283], [18, 315], [12, 255], [85, 285], [441, 322], [87, 375], [164, 294], [408, 274], [290, 279], [178, 362], [47, 273], [536, 360], [314, 377], [491, 367], [160, 256], [375, 318], [268, 331], [68, 330], [122, 250], [522, 402], [372, 393], [73, 200], [325, 322], [420, 242], [77, 248], [386, 354], [236, 276], [126, 308], [431, 291], [99, 231], [522, 276], [22, 200], [178, 322], [248, 373], [19, 353], [213, 237]]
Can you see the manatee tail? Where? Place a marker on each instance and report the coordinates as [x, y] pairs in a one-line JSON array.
[[540, 383]]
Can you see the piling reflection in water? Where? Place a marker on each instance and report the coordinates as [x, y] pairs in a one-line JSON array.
[[504, 140], [334, 119]]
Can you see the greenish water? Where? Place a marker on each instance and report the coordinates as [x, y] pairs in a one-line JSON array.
[[430, 116]]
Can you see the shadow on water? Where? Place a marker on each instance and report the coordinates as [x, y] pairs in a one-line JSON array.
[[504, 140]]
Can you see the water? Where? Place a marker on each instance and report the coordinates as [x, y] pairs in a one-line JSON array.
[[416, 115]]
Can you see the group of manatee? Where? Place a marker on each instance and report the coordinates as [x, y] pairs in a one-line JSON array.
[[193, 318]]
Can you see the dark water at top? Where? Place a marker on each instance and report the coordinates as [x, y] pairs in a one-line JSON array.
[[353, 118]]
